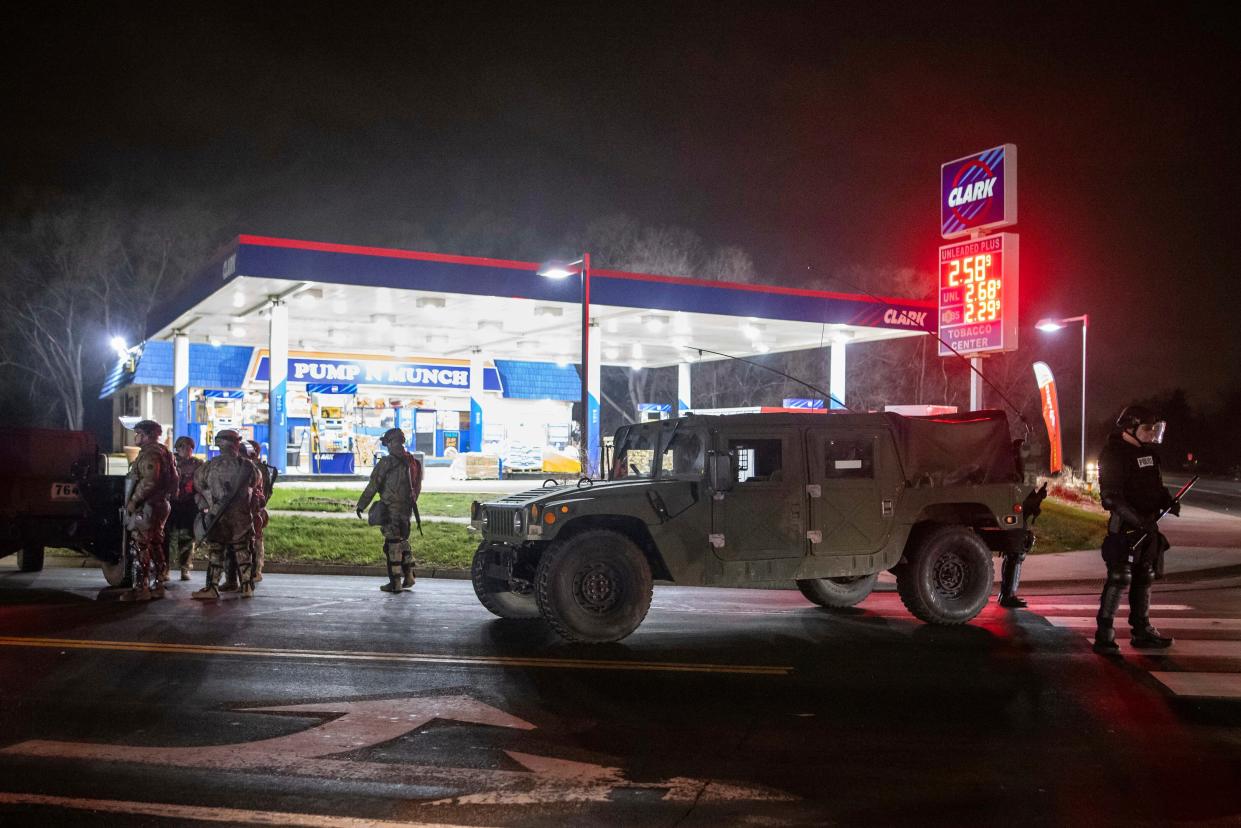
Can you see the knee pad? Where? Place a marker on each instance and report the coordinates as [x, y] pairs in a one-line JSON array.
[[1143, 575], [1118, 576]]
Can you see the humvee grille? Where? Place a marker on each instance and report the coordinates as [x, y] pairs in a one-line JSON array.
[[502, 522]]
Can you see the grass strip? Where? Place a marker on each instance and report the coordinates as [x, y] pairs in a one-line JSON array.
[[1065, 528], [292, 539], [452, 504]]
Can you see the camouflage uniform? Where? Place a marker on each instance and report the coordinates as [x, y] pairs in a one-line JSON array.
[[180, 540], [233, 531], [397, 479], [269, 473], [154, 476]]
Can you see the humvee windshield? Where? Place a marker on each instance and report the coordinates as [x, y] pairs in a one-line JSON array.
[[658, 450]]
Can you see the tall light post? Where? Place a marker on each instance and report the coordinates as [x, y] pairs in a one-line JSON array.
[[563, 270], [1051, 325]]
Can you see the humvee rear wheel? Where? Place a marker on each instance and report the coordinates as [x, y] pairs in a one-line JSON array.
[[947, 579], [594, 586], [494, 587], [838, 593], [30, 558]]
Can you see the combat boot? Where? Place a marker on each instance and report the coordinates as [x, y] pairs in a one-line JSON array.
[[394, 580], [185, 573], [247, 590], [1147, 637], [138, 593], [407, 575], [1010, 578], [1109, 601], [157, 589], [1105, 641], [210, 592]]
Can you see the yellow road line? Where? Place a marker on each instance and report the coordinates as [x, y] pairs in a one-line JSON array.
[[231, 816], [411, 658]]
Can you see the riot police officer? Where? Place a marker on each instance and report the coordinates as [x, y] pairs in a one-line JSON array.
[[225, 487], [179, 544], [397, 479], [151, 480], [1132, 490]]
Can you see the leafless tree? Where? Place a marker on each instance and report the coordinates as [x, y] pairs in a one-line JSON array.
[[80, 273]]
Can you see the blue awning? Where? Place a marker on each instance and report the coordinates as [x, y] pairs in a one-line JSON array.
[[211, 366], [539, 380]]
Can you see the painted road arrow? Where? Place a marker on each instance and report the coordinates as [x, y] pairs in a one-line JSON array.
[[362, 724]]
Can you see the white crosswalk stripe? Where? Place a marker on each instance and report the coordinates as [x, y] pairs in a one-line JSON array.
[[1204, 662]]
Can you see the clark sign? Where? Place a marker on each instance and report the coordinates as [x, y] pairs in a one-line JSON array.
[[978, 192]]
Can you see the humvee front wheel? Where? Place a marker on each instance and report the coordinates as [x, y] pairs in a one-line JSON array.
[[594, 586], [947, 579], [30, 558], [838, 593], [494, 587]]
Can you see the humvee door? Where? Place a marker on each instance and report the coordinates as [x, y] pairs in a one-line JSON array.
[[854, 480], [761, 516]]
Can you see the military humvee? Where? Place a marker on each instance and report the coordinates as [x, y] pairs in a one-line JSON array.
[[824, 500], [53, 493]]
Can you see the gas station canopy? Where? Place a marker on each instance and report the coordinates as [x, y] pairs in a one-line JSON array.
[[395, 302], [432, 335]]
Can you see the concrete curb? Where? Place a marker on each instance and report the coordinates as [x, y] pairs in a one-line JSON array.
[[274, 568]]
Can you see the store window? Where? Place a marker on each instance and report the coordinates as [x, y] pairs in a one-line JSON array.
[[851, 458], [758, 461]]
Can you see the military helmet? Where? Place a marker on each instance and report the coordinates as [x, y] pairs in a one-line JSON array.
[[149, 427], [228, 435], [393, 435], [184, 440]]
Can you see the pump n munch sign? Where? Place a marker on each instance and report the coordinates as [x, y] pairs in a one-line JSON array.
[[371, 372], [978, 192]]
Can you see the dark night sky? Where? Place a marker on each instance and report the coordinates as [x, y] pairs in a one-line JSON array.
[[808, 134]]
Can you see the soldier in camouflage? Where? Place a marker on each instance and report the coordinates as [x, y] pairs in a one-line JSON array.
[[270, 473], [179, 546], [225, 487], [153, 480], [397, 479]]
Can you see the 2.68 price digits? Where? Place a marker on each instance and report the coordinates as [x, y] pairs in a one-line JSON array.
[[982, 300]]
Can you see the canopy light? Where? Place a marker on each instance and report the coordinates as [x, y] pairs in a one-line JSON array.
[[490, 325], [239, 300], [438, 340], [236, 331], [215, 341], [611, 353], [1049, 325], [548, 310], [430, 302], [560, 270], [655, 323], [752, 331], [762, 347], [118, 344]]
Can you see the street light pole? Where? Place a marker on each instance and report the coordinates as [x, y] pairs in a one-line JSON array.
[[1050, 325], [558, 270], [584, 441]]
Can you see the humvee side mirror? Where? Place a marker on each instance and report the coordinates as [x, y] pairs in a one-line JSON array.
[[720, 471]]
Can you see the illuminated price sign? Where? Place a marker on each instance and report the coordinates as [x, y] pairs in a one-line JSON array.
[[978, 295]]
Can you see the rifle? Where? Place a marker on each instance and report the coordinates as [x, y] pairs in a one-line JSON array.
[[1175, 500]]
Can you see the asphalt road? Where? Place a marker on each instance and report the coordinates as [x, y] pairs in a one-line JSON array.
[[324, 702], [1216, 494]]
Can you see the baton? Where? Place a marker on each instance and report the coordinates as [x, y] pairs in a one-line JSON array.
[[1175, 499]]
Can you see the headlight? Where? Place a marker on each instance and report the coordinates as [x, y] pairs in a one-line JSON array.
[[484, 520], [519, 521]]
